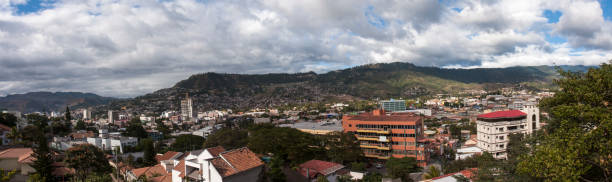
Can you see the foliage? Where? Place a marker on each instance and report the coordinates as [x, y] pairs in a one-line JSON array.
[[432, 173], [67, 116], [149, 152], [80, 125], [6, 176], [135, 129], [38, 120], [275, 172], [185, 143], [36, 178], [402, 167], [579, 130], [290, 144], [358, 166], [60, 128], [8, 119], [87, 160], [343, 147], [228, 138], [322, 178], [372, 177], [43, 162]]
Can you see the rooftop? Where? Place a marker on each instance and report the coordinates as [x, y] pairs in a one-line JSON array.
[[382, 116], [323, 125], [313, 167], [503, 114], [236, 161]]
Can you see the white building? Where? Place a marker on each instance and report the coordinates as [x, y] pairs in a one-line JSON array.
[[493, 128], [217, 165], [87, 114], [187, 109], [107, 141]]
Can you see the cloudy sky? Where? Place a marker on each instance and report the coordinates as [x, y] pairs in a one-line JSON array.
[[128, 48]]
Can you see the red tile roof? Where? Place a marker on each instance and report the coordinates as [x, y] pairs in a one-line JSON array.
[[150, 171], [165, 178], [166, 156], [215, 151], [19, 153], [82, 135], [236, 161], [468, 173], [180, 167], [314, 167], [4, 127], [503, 114]]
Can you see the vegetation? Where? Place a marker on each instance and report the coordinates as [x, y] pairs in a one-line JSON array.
[[402, 167], [149, 152], [579, 130], [87, 160], [228, 138], [8, 119], [43, 162], [6, 176], [432, 172], [135, 129], [185, 143]]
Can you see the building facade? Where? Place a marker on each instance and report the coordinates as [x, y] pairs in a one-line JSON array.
[[187, 113], [87, 114], [493, 128], [383, 135], [393, 105]]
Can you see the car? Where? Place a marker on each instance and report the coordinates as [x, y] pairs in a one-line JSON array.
[[378, 166]]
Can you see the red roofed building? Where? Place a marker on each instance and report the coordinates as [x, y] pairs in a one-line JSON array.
[[383, 135], [17, 159], [315, 168], [468, 173], [216, 164], [493, 128]]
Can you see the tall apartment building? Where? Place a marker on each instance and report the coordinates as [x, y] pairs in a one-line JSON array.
[[87, 114], [393, 105], [187, 112], [112, 116], [493, 128], [382, 135]]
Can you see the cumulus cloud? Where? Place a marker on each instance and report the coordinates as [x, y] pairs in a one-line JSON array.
[[128, 48]]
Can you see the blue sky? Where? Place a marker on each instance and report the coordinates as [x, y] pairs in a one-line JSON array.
[[127, 48]]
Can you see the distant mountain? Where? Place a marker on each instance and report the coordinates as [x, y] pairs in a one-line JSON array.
[[50, 101], [387, 80]]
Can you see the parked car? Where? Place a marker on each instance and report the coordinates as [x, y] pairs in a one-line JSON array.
[[379, 166]]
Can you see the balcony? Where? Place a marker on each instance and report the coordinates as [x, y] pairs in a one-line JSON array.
[[377, 131], [378, 156], [372, 138], [379, 147]]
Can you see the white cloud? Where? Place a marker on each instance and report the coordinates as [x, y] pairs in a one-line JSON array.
[[128, 48]]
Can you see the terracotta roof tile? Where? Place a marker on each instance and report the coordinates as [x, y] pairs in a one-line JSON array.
[[314, 167], [215, 151], [164, 178], [235, 161], [4, 127], [150, 171], [468, 173], [180, 167], [166, 156], [19, 153], [503, 114]]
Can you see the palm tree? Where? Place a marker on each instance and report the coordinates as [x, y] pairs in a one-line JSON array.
[[432, 173]]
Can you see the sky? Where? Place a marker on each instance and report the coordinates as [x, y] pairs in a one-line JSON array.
[[128, 48]]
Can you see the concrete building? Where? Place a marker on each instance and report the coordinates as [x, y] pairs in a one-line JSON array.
[[383, 136], [18, 159], [112, 116], [393, 105], [87, 114], [317, 128], [187, 113], [107, 141], [493, 128]]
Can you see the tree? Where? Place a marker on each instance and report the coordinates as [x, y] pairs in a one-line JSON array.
[[6, 176], [8, 119], [87, 159], [43, 162], [402, 167], [60, 128], [291, 144], [228, 138], [579, 130], [372, 177], [187, 143], [149, 152], [322, 178], [68, 117], [38, 120], [358, 166], [275, 172], [432, 173], [135, 129], [80, 125], [343, 147]]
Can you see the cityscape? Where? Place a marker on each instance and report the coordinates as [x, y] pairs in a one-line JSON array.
[[315, 91]]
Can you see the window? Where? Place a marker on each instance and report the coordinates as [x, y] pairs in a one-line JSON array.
[[501, 129], [501, 146], [349, 125], [533, 117], [512, 127], [501, 137]]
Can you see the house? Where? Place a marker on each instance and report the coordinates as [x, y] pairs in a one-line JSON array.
[[155, 173], [18, 159], [216, 164], [4, 132], [452, 177], [314, 168]]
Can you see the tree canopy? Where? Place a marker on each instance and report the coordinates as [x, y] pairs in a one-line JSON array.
[[87, 160], [187, 143]]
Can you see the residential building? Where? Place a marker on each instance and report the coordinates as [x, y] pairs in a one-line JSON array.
[[468, 174], [87, 114], [393, 105], [313, 169], [4, 135], [493, 128], [217, 165], [106, 141], [112, 116], [18, 159], [187, 113], [383, 135]]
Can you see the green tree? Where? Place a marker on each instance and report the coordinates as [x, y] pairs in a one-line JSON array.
[[80, 125], [432, 173], [343, 147], [291, 144], [358, 166], [402, 167], [275, 172], [87, 159], [68, 117], [579, 130], [228, 138], [43, 162], [6, 176], [135, 129], [40, 121], [185, 143], [8, 119], [322, 178], [372, 177], [149, 152]]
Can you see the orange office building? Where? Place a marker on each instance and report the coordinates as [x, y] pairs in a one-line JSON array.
[[383, 135]]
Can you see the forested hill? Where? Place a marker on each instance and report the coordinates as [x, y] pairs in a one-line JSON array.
[[50, 101], [219, 90]]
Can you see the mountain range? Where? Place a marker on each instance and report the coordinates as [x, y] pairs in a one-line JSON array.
[[241, 91]]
